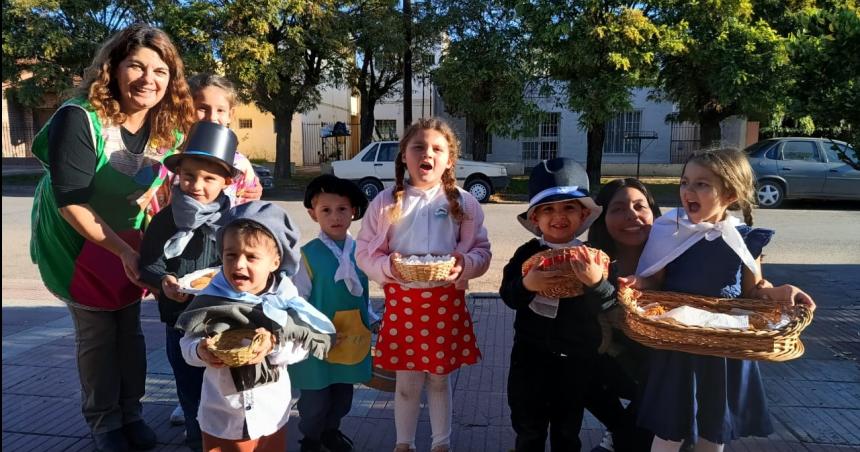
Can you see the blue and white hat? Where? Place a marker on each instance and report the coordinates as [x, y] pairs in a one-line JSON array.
[[558, 180]]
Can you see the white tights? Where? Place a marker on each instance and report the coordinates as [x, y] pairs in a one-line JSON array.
[[407, 405], [702, 445]]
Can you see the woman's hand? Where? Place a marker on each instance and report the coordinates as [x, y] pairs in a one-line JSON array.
[[130, 258], [170, 289], [457, 269], [206, 356], [587, 267], [265, 347]]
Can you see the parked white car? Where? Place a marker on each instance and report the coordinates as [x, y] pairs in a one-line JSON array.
[[373, 170]]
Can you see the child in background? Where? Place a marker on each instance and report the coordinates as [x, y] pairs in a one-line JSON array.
[[554, 355], [247, 407], [329, 279], [707, 400], [180, 240], [426, 330]]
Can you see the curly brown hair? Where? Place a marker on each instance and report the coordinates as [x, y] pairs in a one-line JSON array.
[[449, 180], [174, 113]]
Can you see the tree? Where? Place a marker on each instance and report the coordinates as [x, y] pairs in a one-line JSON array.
[[48, 44], [485, 74], [724, 61], [600, 51], [279, 53]]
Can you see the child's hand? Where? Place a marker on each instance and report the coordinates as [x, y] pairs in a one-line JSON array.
[[206, 356], [537, 280], [457, 268], [265, 347], [587, 267], [631, 281], [170, 289], [396, 274], [786, 292]]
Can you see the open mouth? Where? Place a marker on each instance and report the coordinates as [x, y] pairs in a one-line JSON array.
[[693, 207], [426, 166], [239, 278], [636, 228]]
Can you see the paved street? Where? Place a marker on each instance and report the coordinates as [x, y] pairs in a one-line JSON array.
[[815, 400]]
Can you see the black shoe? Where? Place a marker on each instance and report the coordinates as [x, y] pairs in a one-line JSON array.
[[336, 441], [311, 445], [112, 441], [139, 435]]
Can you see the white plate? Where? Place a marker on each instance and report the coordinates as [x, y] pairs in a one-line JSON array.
[[185, 281]]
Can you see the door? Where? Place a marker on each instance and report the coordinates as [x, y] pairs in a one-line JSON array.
[[802, 167], [843, 180], [384, 166]]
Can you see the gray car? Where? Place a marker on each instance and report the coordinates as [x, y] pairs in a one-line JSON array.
[[803, 168]]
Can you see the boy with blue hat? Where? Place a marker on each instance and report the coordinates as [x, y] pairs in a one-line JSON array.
[[180, 240], [555, 340]]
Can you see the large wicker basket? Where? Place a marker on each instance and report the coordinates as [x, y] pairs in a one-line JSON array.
[[562, 259], [228, 346], [432, 271], [381, 379], [760, 344]]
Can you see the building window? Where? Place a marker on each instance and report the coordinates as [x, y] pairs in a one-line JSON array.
[[386, 129], [543, 144], [245, 124], [627, 122]]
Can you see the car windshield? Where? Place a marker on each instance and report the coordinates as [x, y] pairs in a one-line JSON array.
[[840, 152]]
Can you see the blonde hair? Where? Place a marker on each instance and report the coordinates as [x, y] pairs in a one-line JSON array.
[[449, 179], [175, 112], [198, 82], [735, 174]]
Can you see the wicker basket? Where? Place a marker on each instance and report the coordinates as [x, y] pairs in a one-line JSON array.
[[381, 379], [780, 344], [562, 259], [227, 346], [432, 271]]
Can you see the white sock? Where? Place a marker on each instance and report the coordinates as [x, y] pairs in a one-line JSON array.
[[664, 445], [407, 404], [703, 445], [439, 399]]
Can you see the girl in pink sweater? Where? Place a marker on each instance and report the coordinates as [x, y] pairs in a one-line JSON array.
[[426, 331]]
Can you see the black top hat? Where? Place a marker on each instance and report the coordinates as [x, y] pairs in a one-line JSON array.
[[557, 180], [209, 141], [329, 183]]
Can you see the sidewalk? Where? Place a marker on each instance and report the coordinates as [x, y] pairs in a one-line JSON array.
[[815, 400]]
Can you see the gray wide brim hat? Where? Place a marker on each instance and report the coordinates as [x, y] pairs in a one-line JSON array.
[[277, 222], [208, 141], [559, 180]]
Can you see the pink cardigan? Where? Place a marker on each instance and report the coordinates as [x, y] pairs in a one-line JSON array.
[[371, 249]]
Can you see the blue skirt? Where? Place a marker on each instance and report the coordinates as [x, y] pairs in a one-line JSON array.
[[690, 396]]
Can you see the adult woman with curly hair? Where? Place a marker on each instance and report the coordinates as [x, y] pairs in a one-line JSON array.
[[103, 151]]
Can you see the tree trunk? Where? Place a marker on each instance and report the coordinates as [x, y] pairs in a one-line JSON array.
[[368, 120], [407, 64], [596, 134], [480, 140], [710, 134], [283, 132]]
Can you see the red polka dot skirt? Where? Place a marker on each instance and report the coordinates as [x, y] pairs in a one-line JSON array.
[[426, 330]]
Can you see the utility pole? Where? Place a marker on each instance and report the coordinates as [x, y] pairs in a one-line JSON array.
[[407, 64]]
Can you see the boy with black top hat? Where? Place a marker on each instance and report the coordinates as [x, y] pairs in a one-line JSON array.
[[181, 239], [330, 280], [555, 340]]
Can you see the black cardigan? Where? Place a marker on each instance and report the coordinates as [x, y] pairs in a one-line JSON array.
[[574, 331]]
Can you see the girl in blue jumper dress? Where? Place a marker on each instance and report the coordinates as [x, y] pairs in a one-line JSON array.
[[701, 249]]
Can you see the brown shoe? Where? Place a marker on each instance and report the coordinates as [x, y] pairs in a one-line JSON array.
[[401, 447], [441, 448]]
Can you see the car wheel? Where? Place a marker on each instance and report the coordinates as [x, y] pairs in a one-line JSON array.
[[480, 189], [770, 194], [370, 188]]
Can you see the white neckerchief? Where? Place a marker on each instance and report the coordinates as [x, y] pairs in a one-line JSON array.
[[673, 233], [541, 305], [345, 267]]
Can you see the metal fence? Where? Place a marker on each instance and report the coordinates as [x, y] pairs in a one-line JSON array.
[[316, 149], [17, 141], [685, 141]]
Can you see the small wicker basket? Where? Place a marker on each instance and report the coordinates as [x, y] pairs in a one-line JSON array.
[[431, 271], [381, 379], [780, 344], [228, 346], [562, 259]]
